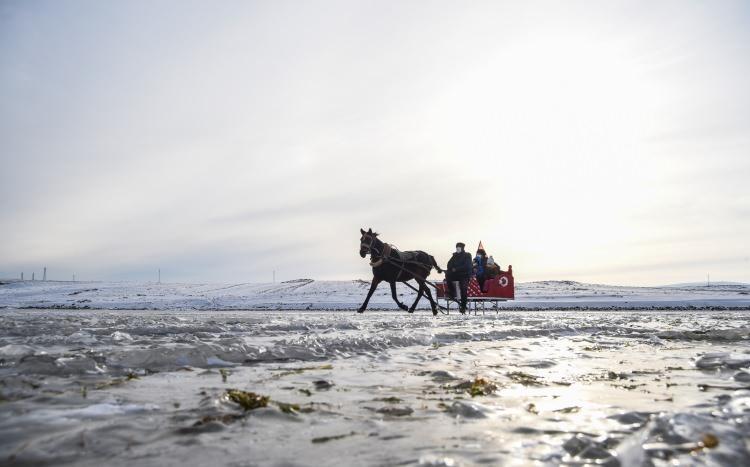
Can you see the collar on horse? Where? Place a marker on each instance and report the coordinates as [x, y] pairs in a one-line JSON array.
[[383, 255]]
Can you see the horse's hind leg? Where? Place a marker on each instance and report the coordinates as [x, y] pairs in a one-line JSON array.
[[395, 297], [419, 297], [429, 297], [373, 286]]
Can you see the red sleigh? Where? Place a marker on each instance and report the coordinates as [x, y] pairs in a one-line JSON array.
[[496, 289]]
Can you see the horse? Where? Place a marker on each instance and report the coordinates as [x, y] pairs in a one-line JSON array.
[[390, 265]]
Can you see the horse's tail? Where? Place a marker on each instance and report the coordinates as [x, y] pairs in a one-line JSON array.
[[434, 263]]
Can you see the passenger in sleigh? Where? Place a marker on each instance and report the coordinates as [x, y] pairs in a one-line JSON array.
[[480, 266], [492, 270]]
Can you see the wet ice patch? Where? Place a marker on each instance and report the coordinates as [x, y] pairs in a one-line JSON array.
[[442, 375], [16, 351], [722, 360], [737, 406], [44, 364], [688, 437], [584, 449], [437, 461], [539, 363], [79, 364], [81, 337], [119, 336], [468, 409], [93, 411], [216, 361], [632, 418], [656, 340]]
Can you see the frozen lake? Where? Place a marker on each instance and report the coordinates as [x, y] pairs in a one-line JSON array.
[[95, 387]]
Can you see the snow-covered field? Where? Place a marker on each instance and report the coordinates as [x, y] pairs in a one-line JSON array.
[[347, 295]]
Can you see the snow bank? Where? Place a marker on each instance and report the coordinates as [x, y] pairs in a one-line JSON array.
[[310, 294]]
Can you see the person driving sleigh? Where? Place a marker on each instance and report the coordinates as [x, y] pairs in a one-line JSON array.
[[458, 274]]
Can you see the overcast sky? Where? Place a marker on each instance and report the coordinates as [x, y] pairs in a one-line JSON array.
[[219, 141]]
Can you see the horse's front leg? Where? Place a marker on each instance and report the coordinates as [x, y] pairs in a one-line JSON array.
[[373, 286], [419, 297], [395, 297]]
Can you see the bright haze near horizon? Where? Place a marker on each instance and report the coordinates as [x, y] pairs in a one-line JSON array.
[[221, 141]]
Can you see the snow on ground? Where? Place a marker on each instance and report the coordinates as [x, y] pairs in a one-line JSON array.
[[347, 295]]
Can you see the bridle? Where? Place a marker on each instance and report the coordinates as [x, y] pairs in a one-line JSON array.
[[371, 249]]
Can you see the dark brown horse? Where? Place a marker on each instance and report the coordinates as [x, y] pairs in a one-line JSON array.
[[390, 265]]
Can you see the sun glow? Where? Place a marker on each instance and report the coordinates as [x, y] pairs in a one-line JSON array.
[[555, 131]]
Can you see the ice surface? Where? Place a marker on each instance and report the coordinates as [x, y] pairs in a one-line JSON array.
[[123, 388]]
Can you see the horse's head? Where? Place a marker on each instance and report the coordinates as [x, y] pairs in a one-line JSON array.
[[366, 242]]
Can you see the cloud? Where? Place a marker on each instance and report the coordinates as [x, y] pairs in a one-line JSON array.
[[224, 141]]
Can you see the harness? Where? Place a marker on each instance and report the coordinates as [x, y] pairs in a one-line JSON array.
[[385, 257], [386, 253]]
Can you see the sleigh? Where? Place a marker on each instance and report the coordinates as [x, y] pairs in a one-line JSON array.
[[391, 265], [497, 289]]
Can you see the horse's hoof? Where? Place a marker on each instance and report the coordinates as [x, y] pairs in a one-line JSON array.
[[404, 307], [411, 310], [434, 312], [361, 310]]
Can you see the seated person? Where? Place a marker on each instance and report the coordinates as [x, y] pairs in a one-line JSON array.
[[480, 266], [492, 270]]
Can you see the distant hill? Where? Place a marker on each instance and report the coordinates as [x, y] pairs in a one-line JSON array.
[[712, 284]]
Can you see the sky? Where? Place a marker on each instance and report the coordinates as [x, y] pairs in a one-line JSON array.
[[603, 142]]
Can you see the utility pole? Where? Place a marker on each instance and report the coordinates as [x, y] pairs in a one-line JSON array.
[[159, 282], [74, 277], [21, 276], [44, 277], [32, 277]]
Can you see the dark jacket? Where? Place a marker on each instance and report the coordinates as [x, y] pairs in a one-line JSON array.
[[459, 266]]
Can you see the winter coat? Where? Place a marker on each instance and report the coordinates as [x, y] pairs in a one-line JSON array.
[[492, 270], [459, 266], [480, 264]]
